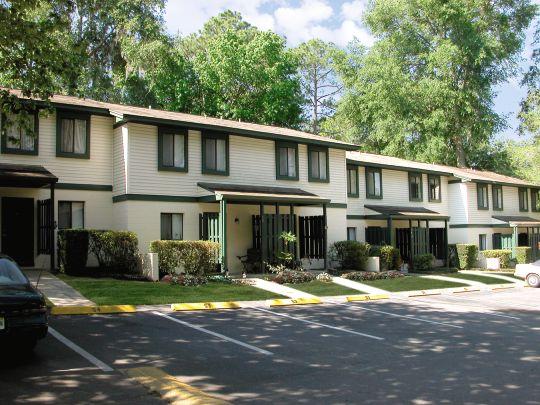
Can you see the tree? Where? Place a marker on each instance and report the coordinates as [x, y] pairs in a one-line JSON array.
[[317, 62], [530, 106], [524, 157], [425, 88]]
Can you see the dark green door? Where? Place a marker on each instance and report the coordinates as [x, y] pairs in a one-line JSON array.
[[18, 229]]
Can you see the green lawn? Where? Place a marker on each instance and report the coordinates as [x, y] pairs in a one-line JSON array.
[[324, 289], [476, 277], [106, 291], [410, 283]]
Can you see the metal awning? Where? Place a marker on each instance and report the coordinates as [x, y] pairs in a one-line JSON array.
[[260, 194], [517, 220], [30, 176], [396, 212]]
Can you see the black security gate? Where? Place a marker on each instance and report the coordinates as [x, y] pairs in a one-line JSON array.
[[403, 242], [311, 237], [376, 235], [44, 223], [437, 243]]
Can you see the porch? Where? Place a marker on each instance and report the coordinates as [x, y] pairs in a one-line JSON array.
[[525, 231]]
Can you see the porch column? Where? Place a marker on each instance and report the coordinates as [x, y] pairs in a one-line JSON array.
[[261, 260], [446, 243], [325, 237], [389, 231], [410, 241], [514, 241], [223, 234], [292, 227], [51, 230], [427, 237]]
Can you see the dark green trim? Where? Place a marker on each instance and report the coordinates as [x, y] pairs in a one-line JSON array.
[[373, 169], [455, 181], [457, 226], [153, 197], [535, 199], [314, 148], [239, 132], [356, 217], [336, 205], [500, 183], [64, 114], [172, 131], [381, 217], [479, 188], [521, 207], [395, 167], [214, 135], [494, 197], [15, 151], [104, 112], [349, 194], [416, 174], [89, 187], [281, 144], [438, 200]]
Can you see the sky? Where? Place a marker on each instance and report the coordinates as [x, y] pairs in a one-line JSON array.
[[337, 21]]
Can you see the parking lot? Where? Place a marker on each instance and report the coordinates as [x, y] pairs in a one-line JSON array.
[[480, 347]]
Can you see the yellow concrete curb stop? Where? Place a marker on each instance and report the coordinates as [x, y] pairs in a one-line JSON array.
[[423, 293], [197, 306], [502, 286], [367, 297], [90, 310], [294, 301], [466, 290]]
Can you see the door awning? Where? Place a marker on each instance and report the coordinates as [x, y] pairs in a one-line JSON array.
[[30, 176], [395, 212], [260, 194], [517, 220]]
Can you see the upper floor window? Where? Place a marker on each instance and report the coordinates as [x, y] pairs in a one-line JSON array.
[[172, 227], [352, 181], [20, 133], [72, 135], [318, 164], [535, 199], [415, 187], [497, 192], [482, 196], [434, 187], [215, 153], [172, 147], [523, 199], [70, 214], [286, 161], [373, 182]]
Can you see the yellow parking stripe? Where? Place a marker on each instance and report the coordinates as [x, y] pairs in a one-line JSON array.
[[295, 301], [197, 306], [89, 310], [368, 297], [171, 389]]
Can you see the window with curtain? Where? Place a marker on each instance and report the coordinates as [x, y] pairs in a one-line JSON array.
[[172, 149], [172, 227], [352, 181], [373, 182], [482, 196], [523, 199], [70, 214], [535, 200], [497, 197], [415, 187], [351, 233], [482, 242], [215, 159], [287, 161], [73, 135], [318, 164], [434, 183], [20, 133]]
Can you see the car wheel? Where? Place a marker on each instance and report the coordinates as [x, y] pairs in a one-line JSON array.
[[533, 280]]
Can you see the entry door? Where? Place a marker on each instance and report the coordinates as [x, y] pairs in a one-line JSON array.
[[18, 229]]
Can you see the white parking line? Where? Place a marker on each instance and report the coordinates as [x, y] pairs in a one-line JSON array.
[[95, 361], [363, 308], [219, 335], [319, 324]]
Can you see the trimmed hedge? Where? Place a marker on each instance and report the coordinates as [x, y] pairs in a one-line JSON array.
[[423, 262], [390, 257], [351, 254], [524, 254], [502, 254], [371, 275], [467, 255], [197, 257], [73, 251]]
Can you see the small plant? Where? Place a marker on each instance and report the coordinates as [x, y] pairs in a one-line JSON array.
[[502, 254], [467, 255], [220, 278], [325, 277], [188, 280], [423, 262]]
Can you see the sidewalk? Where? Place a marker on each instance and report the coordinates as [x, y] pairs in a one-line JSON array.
[[279, 289], [56, 291]]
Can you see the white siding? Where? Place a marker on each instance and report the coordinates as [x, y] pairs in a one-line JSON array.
[[120, 160], [459, 199]]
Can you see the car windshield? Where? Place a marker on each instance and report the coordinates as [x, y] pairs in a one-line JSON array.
[[10, 274]]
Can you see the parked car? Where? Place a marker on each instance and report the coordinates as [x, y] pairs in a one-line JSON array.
[[529, 272], [23, 311]]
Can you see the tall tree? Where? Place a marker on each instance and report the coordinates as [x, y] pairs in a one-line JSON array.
[[530, 107], [425, 90]]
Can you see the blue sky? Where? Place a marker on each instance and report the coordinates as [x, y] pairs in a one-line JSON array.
[[338, 21]]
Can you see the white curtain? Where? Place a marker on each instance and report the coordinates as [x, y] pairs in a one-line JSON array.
[[221, 155], [67, 136], [322, 165], [314, 165], [291, 161], [79, 144], [377, 183], [17, 136], [168, 152], [177, 231], [179, 150], [77, 215], [210, 154]]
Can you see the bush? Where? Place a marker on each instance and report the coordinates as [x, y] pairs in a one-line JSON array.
[[467, 255], [293, 277], [73, 251], [195, 256], [116, 251], [390, 257], [371, 275], [325, 277], [350, 254], [423, 262], [502, 254], [523, 254]]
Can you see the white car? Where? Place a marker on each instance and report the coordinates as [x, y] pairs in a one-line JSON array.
[[529, 272]]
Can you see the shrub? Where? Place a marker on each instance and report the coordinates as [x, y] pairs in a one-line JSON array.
[[371, 275], [524, 254], [73, 250], [423, 262], [502, 254], [390, 257], [327, 278], [195, 256], [116, 251], [293, 277], [351, 254], [467, 255]]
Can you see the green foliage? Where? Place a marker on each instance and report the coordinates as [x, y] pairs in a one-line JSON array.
[[351, 254], [467, 255], [73, 251], [523, 254], [116, 251], [423, 262], [502, 254], [371, 275], [197, 257], [530, 106], [524, 158], [285, 256], [390, 257], [293, 277]]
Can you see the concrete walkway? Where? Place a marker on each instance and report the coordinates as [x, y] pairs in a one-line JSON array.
[[495, 275], [279, 289], [456, 280], [355, 285], [56, 291]]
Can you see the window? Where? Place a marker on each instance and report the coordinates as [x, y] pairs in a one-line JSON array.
[[70, 215], [415, 187], [172, 227], [215, 153], [72, 135], [434, 186], [482, 242], [497, 197], [351, 233], [286, 161], [535, 200], [482, 196], [172, 147], [20, 134], [318, 164], [523, 199], [373, 182], [352, 181]]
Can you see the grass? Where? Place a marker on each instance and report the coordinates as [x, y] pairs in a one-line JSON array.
[[324, 289], [106, 291], [410, 283], [476, 277]]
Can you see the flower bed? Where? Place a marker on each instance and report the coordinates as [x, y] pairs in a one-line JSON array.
[[369, 275]]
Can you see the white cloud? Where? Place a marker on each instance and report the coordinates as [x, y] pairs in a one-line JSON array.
[[353, 10]]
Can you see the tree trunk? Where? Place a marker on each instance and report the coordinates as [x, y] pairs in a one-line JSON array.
[[460, 152]]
